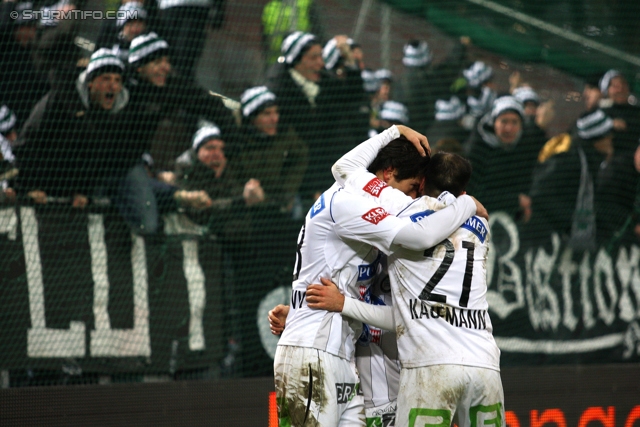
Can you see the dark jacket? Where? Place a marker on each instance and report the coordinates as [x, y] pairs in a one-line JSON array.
[[68, 146], [170, 116], [279, 162], [500, 172]]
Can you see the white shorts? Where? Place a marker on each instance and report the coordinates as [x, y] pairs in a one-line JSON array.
[[441, 394], [382, 415], [315, 388]]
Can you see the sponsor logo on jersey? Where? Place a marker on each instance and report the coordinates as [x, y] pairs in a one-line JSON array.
[[476, 226], [375, 215], [347, 391], [420, 215], [318, 206], [458, 317], [367, 271], [375, 187]]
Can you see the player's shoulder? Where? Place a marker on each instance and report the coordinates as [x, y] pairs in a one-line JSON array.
[[421, 207], [477, 228]]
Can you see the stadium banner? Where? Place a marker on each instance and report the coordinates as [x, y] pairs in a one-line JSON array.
[[79, 291]]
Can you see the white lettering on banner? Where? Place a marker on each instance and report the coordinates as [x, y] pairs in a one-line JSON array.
[[544, 308], [567, 268], [107, 342], [9, 223], [509, 293], [43, 341], [628, 270], [587, 307], [604, 267], [197, 293]]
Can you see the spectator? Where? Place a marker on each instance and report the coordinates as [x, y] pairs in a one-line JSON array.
[[8, 122], [415, 85], [204, 168], [340, 61], [391, 113], [271, 152], [21, 85], [279, 19], [530, 102], [448, 124], [383, 93], [503, 157], [170, 106], [480, 94], [315, 104], [184, 25], [615, 193], [117, 35], [562, 193]]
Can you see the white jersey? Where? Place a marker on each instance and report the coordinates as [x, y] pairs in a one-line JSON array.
[[377, 351], [341, 239], [440, 305]]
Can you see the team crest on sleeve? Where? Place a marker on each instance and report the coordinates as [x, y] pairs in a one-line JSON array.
[[375, 187], [375, 215]]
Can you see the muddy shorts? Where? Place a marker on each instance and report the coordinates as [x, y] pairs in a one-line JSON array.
[[440, 394], [315, 388]]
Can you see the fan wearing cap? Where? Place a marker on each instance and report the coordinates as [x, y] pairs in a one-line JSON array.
[[315, 104], [416, 82], [171, 106], [562, 197], [8, 169], [480, 92], [272, 152], [535, 119], [503, 157], [204, 168], [391, 113], [118, 34], [63, 144]]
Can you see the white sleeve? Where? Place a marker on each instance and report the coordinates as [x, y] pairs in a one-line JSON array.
[[431, 230], [361, 156], [380, 316]]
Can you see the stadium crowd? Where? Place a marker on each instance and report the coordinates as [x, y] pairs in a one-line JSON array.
[[130, 127]]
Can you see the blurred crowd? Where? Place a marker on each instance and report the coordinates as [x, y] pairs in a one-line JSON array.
[[129, 127]]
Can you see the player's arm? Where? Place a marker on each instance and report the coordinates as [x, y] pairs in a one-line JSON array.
[[359, 159], [360, 219], [327, 296], [277, 318]]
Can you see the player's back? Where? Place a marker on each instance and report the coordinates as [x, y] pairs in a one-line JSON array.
[[321, 252], [440, 297]]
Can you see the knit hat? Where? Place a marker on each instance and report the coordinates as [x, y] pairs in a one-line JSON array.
[[383, 74], [7, 120], [256, 99], [449, 110], [477, 74], [526, 94], [331, 53], [594, 125], [205, 134], [103, 61], [369, 81], [605, 81], [505, 104], [416, 54], [394, 112], [47, 18], [146, 48], [294, 44], [129, 12]]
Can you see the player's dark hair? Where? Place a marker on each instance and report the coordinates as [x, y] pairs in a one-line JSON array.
[[403, 156], [447, 172]]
